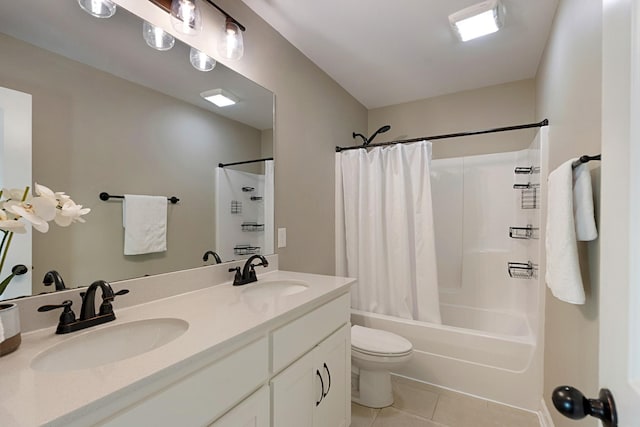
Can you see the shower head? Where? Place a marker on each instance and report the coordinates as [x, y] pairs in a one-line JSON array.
[[364, 139], [383, 129]]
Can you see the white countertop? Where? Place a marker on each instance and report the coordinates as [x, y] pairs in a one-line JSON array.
[[218, 316]]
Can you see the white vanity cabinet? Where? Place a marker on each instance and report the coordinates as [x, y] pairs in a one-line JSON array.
[[252, 412], [314, 390]]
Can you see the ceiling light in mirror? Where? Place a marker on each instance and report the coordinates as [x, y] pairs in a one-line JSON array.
[[156, 37], [98, 8], [185, 17], [231, 45], [201, 61], [477, 20], [219, 97]]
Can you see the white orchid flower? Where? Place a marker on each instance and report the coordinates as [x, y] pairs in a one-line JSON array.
[[27, 212], [13, 193], [45, 207], [11, 224], [71, 213]]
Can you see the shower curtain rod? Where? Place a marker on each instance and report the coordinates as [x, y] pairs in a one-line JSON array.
[[545, 122], [221, 165]]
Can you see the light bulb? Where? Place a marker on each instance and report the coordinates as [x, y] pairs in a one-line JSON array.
[[231, 45], [185, 17], [98, 8], [201, 61], [156, 37]]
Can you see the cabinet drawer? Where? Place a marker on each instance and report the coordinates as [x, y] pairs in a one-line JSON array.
[[204, 395], [296, 338]]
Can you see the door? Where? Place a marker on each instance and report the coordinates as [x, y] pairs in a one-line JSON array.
[[294, 392], [333, 364], [252, 412], [15, 172], [620, 210]]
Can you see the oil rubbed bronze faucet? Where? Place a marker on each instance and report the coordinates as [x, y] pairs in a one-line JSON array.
[[53, 277], [88, 316], [248, 274], [215, 256]]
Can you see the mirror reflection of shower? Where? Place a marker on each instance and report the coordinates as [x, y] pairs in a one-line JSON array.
[[244, 208], [367, 141]]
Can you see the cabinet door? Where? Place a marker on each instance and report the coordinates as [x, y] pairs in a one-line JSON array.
[[333, 359], [252, 412], [294, 394]]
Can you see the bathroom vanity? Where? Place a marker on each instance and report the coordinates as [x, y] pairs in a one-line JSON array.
[[272, 353]]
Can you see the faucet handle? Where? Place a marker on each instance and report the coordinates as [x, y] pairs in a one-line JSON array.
[[106, 307], [67, 316], [238, 277]]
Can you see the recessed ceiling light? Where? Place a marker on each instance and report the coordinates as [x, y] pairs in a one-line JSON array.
[[220, 97], [478, 20]]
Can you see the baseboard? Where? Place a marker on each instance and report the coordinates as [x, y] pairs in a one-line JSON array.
[[544, 415]]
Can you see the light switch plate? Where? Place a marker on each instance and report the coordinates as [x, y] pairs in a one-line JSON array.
[[282, 237]]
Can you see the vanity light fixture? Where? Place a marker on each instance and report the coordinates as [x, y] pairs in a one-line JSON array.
[[478, 20], [231, 44], [156, 37], [185, 17], [201, 61], [219, 97], [98, 8]]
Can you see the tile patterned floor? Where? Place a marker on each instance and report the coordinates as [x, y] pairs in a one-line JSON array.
[[422, 405]]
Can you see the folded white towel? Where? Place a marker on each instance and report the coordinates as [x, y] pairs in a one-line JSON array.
[[145, 224], [583, 204], [563, 268], [1, 330]]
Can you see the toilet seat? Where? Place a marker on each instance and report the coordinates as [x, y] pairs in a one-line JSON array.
[[374, 342]]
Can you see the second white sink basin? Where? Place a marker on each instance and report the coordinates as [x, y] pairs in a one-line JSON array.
[[110, 344], [275, 288]]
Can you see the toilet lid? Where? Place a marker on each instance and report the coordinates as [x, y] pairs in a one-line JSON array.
[[376, 341]]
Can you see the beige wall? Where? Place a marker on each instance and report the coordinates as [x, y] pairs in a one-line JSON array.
[[494, 106], [313, 115], [569, 95], [94, 132]]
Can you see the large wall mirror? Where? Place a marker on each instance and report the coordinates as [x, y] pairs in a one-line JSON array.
[[110, 114]]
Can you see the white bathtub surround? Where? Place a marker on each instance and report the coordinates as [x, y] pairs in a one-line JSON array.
[[222, 319], [389, 230], [229, 230], [487, 342]]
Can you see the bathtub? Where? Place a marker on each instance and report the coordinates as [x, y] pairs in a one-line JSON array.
[[485, 353]]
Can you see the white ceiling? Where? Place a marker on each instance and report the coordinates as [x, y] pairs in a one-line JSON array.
[[115, 45], [390, 52]]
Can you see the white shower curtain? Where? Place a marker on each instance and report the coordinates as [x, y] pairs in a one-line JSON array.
[[388, 227]]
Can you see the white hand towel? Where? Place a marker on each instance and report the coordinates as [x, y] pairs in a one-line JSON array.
[[583, 204], [145, 224], [1, 330], [563, 268]]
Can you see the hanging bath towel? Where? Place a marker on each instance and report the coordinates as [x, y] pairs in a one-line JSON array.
[[570, 203], [145, 224]]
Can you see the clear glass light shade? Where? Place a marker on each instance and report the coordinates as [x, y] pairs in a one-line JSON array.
[[201, 61], [156, 37], [185, 17], [98, 8], [231, 45]]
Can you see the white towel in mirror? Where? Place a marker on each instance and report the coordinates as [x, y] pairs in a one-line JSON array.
[[145, 224]]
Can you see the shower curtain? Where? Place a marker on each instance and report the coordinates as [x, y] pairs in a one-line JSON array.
[[388, 230]]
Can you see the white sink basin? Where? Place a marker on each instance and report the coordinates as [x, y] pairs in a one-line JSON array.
[[275, 288], [110, 344]]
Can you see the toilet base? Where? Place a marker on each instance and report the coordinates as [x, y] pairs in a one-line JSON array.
[[375, 389]]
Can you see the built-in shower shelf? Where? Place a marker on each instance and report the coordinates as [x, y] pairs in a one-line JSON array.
[[528, 170], [528, 232], [527, 186], [246, 250], [236, 207], [521, 270], [252, 226]]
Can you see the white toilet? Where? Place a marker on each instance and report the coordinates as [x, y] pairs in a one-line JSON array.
[[374, 353]]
